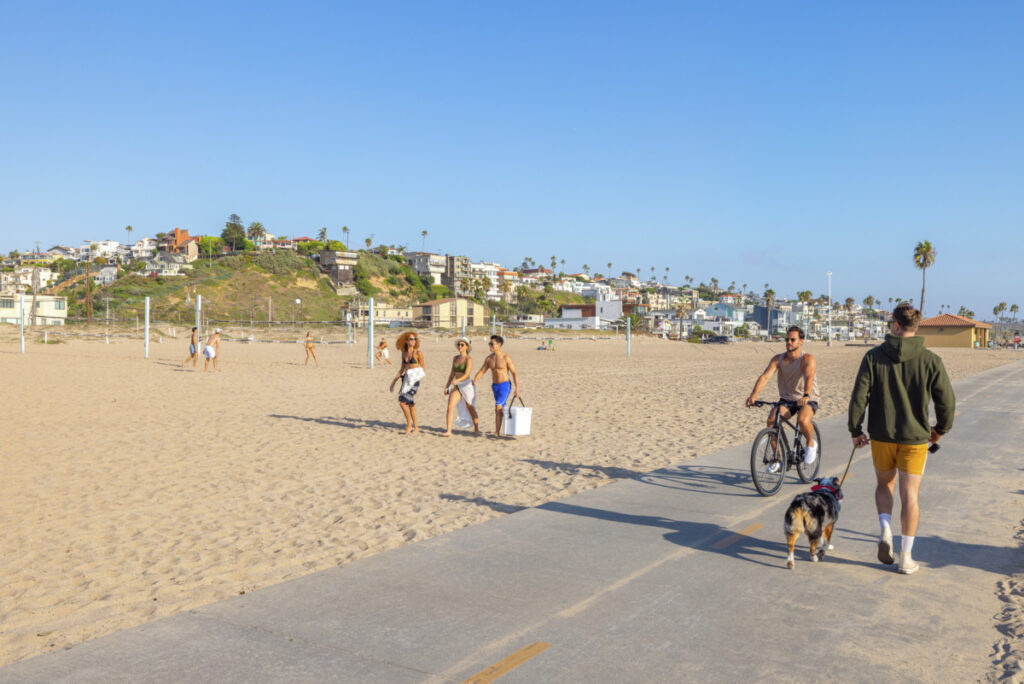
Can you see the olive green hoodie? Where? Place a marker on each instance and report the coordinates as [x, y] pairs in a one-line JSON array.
[[897, 380]]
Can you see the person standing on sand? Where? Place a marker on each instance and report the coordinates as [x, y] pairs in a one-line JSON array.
[[410, 373], [798, 389], [501, 367], [309, 349], [896, 381], [382, 352], [212, 350], [460, 387], [193, 354]]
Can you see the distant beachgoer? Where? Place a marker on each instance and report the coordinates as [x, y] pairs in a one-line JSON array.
[[501, 367], [309, 349], [459, 387], [193, 354], [551, 344], [382, 352], [410, 373], [212, 350]]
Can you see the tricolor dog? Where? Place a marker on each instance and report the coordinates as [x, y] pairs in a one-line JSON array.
[[814, 512]]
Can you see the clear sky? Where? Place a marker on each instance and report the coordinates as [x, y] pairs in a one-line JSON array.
[[750, 142]]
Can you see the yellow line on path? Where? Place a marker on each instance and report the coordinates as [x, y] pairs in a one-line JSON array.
[[733, 538], [508, 664]]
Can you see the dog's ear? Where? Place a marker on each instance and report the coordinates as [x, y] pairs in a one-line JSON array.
[[818, 480]]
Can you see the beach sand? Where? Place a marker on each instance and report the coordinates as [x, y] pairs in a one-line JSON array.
[[133, 489]]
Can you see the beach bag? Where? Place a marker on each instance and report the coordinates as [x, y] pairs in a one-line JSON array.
[[517, 419]]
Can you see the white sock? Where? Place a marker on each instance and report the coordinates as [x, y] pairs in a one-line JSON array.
[[906, 544], [885, 520], [810, 453]]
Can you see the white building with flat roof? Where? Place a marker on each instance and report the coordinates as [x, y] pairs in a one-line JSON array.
[[49, 310]]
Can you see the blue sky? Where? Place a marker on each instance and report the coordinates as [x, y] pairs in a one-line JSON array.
[[750, 142]]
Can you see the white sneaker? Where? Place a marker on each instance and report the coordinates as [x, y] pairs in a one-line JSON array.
[[810, 453], [907, 564], [773, 468]]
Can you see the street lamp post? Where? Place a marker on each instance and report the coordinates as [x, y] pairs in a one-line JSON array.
[[829, 308]]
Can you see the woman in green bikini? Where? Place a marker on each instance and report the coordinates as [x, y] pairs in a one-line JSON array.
[[460, 387]]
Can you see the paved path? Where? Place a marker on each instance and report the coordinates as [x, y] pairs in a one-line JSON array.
[[678, 575]]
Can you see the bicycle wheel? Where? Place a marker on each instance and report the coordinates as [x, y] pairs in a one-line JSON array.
[[807, 472], [767, 465]]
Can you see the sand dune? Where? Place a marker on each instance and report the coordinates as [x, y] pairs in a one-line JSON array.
[[133, 489]]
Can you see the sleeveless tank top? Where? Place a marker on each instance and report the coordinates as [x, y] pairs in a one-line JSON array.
[[791, 381]]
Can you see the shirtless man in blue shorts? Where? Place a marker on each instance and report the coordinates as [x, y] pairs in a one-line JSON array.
[[501, 367]]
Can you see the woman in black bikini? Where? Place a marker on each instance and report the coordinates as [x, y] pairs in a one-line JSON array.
[[462, 367], [410, 373]]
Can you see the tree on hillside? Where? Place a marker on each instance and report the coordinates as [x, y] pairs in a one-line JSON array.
[[850, 301], [924, 257], [609, 269], [128, 229], [234, 232], [586, 269], [322, 235], [368, 241]]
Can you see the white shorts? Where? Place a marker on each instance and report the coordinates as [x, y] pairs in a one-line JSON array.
[[384, 353], [209, 352]]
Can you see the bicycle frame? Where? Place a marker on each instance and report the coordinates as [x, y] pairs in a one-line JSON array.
[[778, 426]]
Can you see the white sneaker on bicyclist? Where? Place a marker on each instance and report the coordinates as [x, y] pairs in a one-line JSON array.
[[810, 453], [773, 468]]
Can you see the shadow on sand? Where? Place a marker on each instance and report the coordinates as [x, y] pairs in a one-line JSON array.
[[357, 423]]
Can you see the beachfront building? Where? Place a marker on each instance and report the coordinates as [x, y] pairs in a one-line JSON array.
[[599, 315], [106, 249], [950, 330], [488, 270], [105, 275], [49, 310], [458, 271], [726, 311], [427, 264], [526, 321], [339, 266], [450, 313], [383, 314]]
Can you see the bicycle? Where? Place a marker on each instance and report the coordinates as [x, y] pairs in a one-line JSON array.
[[769, 464]]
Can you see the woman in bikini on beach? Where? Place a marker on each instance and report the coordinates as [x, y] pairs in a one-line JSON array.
[[309, 349], [459, 386], [410, 373]]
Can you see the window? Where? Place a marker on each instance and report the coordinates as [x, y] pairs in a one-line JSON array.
[[59, 305], [6, 303]]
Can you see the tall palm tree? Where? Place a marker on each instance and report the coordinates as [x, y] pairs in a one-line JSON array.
[[1014, 309], [586, 269], [345, 231], [609, 270], [128, 229], [924, 257], [423, 246], [255, 231]]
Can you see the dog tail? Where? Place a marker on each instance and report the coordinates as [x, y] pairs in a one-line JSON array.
[[797, 521]]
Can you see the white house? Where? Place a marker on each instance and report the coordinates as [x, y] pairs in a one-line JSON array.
[[428, 264], [486, 269], [49, 310], [105, 275], [99, 248], [144, 248]]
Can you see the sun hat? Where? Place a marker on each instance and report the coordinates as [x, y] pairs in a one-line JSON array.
[[469, 345]]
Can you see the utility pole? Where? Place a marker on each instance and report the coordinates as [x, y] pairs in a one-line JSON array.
[[829, 274], [88, 288]]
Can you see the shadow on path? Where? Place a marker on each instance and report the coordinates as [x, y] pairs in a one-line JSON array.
[[576, 468], [703, 479]]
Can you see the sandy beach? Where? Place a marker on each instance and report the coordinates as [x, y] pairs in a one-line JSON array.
[[134, 489]]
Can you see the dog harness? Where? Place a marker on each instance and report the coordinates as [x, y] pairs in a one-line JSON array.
[[830, 491]]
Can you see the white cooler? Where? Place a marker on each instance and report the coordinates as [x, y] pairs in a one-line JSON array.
[[517, 420]]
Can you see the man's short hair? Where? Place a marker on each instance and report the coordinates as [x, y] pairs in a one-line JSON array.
[[797, 329], [499, 339], [907, 316]]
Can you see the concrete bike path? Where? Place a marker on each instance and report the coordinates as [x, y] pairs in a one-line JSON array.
[[677, 575]]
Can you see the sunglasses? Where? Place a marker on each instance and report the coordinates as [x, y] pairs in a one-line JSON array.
[[461, 344]]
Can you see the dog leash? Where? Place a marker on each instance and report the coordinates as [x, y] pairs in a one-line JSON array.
[[848, 464]]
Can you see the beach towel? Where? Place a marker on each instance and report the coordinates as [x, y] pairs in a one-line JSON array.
[[411, 383], [463, 420]]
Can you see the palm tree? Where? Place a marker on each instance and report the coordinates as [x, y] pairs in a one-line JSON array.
[[128, 229], [850, 301], [609, 270], [322, 235], [255, 231], [1014, 309], [924, 256], [586, 269], [344, 231], [1000, 308], [368, 241], [714, 287]]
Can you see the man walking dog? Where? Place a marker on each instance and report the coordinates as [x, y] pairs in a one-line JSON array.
[[898, 380]]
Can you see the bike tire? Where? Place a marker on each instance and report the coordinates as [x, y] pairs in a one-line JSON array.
[[762, 456], [807, 472]]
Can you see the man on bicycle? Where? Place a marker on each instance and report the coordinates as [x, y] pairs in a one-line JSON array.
[[798, 388]]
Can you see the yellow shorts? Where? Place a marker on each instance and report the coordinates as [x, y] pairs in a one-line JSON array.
[[909, 458]]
